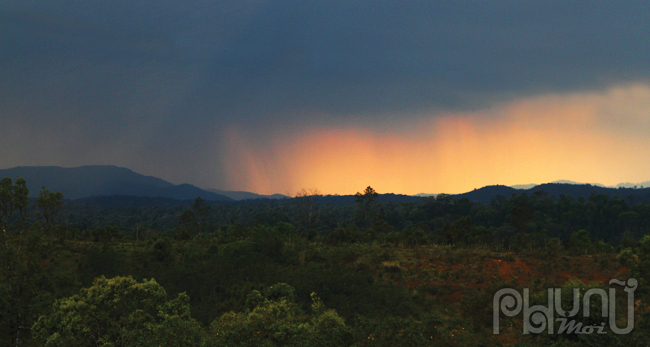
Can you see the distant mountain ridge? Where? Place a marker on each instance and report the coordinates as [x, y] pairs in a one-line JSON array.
[[240, 195], [486, 194], [109, 185], [645, 184], [104, 180]]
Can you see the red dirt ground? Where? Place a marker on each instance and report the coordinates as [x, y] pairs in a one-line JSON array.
[[467, 272]]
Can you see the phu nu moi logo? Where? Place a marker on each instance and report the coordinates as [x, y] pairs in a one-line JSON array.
[[538, 318]]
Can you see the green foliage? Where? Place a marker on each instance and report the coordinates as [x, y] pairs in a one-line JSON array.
[[629, 220], [594, 319], [642, 328], [249, 268], [520, 216], [28, 281], [50, 205], [6, 202], [13, 197], [162, 249], [397, 331], [476, 306], [579, 242], [275, 320], [455, 232], [554, 247], [366, 206], [536, 218], [21, 199], [119, 312], [601, 247], [175, 325], [415, 237], [346, 234], [280, 291], [642, 268], [627, 258], [308, 212]]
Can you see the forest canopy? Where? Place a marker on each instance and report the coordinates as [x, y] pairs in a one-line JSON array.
[[299, 272]]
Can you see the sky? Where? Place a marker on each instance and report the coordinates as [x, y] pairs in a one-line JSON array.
[[275, 96]]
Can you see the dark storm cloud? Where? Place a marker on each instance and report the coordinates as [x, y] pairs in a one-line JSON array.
[[84, 79], [385, 56], [341, 57]]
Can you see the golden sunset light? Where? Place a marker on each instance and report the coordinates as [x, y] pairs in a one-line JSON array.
[[534, 140]]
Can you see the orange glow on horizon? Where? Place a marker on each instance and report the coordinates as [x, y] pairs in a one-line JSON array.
[[588, 137]]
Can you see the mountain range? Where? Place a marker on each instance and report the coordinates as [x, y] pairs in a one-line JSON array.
[[113, 186], [486, 194], [239, 195], [104, 180], [88, 183], [645, 184]]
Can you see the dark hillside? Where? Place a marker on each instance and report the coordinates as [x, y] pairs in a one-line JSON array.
[[103, 180], [486, 194]]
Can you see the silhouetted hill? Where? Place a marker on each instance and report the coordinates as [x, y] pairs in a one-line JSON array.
[[486, 194], [239, 195], [585, 190], [126, 201], [103, 180], [119, 186]]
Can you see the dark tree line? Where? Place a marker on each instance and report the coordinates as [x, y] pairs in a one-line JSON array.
[[517, 222]]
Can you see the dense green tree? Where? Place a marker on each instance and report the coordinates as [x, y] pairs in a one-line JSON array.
[[553, 247], [50, 205], [201, 210], [20, 274], [21, 200], [627, 258], [458, 231], [628, 221], [520, 216], [119, 312], [642, 267], [308, 211], [274, 319], [366, 206], [595, 318], [192, 221], [13, 197], [579, 242], [187, 225], [23, 280], [397, 331], [31, 276], [415, 237]]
